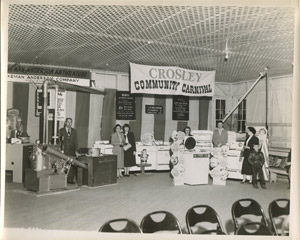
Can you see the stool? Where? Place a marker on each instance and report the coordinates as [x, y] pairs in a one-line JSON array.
[[143, 165]]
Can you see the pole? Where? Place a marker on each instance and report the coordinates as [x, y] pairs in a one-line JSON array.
[[261, 75], [55, 116], [267, 98], [49, 150], [45, 112]]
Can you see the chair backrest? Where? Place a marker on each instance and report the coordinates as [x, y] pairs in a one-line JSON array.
[[278, 208], [252, 208], [168, 222], [127, 226], [253, 228], [207, 214]]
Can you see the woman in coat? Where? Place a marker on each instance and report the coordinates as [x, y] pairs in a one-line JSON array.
[[251, 140], [129, 149], [118, 141]]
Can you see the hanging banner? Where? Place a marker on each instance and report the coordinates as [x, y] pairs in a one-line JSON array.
[[61, 105], [38, 74], [40, 79], [171, 81]]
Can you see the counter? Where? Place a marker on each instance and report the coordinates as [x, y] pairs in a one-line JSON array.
[[17, 160], [158, 156]]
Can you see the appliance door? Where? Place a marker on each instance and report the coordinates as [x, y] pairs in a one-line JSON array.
[[163, 159], [196, 168]]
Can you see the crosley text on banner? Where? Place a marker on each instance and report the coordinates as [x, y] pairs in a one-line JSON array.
[[171, 81]]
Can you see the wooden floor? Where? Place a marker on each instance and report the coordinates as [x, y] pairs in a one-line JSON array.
[[133, 197]]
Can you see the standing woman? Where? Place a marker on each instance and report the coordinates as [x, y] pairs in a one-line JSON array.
[[251, 140], [118, 141], [187, 131], [129, 149]]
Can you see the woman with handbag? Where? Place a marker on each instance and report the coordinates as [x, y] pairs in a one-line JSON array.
[[129, 149], [251, 140]]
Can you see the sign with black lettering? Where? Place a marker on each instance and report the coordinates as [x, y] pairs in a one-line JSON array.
[[154, 109], [170, 80], [125, 106], [180, 110]]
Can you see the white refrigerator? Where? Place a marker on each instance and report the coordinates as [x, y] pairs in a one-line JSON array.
[[196, 166]]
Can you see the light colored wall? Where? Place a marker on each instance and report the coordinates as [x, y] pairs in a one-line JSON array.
[[279, 117]]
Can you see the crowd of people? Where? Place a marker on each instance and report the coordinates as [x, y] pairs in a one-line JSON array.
[[124, 146]]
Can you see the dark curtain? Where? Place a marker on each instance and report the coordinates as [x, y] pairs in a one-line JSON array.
[[82, 113], [108, 114], [136, 126], [160, 119], [181, 125], [20, 101], [203, 113]]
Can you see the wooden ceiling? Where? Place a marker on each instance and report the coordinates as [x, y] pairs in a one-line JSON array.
[[103, 37]]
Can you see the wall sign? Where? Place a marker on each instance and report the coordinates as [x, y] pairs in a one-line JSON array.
[[180, 110], [154, 109], [125, 106]]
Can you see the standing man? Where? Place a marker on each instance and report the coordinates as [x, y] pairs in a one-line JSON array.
[[220, 136], [69, 146]]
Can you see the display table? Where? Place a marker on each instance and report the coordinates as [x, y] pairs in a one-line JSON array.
[[196, 165], [101, 171], [143, 165]]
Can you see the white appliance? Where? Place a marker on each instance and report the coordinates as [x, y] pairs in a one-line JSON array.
[[196, 168], [163, 158], [235, 161], [105, 147], [203, 139]]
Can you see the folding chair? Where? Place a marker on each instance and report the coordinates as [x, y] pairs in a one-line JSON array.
[[160, 221], [121, 225], [194, 218]]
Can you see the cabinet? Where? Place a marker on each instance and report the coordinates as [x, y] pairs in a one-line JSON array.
[[17, 160], [101, 171]]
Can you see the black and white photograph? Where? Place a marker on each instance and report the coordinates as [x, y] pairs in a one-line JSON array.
[[149, 119]]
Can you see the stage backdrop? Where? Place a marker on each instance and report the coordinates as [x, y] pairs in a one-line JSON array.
[[171, 81]]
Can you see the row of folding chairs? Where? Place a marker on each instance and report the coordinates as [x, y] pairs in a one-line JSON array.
[[247, 214], [249, 218]]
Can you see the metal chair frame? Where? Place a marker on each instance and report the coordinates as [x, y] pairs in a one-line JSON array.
[[209, 215], [130, 227], [276, 211], [254, 208], [169, 223]]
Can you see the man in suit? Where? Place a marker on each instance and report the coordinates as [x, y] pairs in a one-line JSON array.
[[69, 146]]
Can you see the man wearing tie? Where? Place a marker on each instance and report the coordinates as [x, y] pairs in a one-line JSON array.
[[69, 146]]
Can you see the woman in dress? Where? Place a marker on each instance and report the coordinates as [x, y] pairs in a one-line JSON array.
[[251, 140], [129, 149], [118, 141]]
